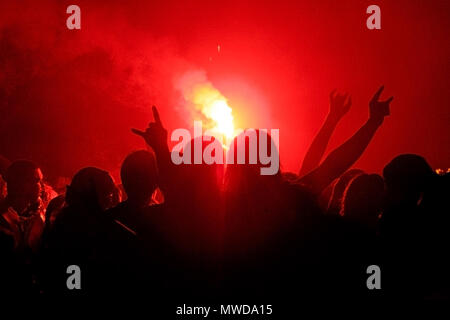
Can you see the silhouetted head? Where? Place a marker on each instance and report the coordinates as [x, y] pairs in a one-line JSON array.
[[199, 210], [91, 188], [24, 184], [205, 179], [252, 163], [363, 198], [261, 203], [139, 176], [406, 177], [338, 190]]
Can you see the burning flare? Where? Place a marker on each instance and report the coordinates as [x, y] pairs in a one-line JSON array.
[[198, 91]]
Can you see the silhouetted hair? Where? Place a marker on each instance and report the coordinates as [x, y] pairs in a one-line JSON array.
[[245, 178], [91, 187], [139, 174], [339, 187], [407, 171], [363, 197], [204, 176], [22, 171]]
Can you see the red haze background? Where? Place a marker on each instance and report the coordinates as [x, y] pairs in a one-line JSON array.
[[68, 98]]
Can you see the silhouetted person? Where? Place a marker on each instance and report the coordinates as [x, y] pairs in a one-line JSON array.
[[23, 209], [401, 224], [339, 106], [261, 208], [406, 178], [202, 197], [343, 157], [334, 206], [352, 236], [335, 164], [193, 210], [197, 217], [265, 221], [363, 199], [79, 233], [139, 175], [22, 215]]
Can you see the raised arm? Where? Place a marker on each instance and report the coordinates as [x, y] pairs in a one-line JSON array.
[[342, 158], [339, 106], [156, 137]]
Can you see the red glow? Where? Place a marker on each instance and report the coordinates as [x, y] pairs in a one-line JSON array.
[[69, 98]]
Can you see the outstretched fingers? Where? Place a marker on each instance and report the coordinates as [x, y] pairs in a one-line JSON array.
[[389, 100], [377, 95], [138, 132], [156, 115], [387, 107]]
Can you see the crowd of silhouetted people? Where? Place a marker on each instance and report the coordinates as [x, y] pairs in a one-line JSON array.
[[220, 231]]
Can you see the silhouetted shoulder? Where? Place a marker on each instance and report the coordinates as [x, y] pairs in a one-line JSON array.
[[139, 220]]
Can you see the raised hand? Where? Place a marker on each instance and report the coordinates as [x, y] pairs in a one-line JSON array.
[[343, 157], [339, 104], [155, 135], [379, 109]]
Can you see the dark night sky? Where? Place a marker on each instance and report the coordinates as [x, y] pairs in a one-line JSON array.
[[68, 98]]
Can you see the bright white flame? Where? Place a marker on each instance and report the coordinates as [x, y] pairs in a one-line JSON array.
[[221, 114], [210, 102]]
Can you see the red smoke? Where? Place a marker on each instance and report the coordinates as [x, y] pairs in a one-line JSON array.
[[69, 97]]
